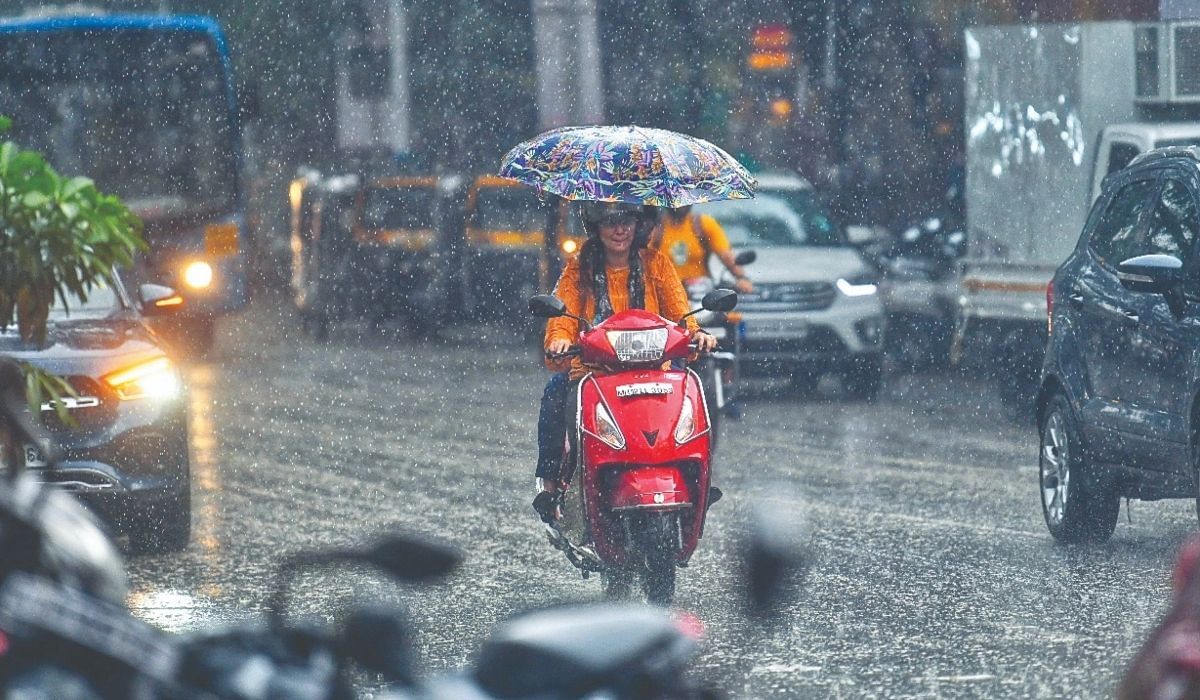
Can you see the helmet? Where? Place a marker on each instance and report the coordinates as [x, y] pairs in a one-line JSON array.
[[594, 214]]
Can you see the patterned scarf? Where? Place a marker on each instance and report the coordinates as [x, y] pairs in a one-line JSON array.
[[637, 284]]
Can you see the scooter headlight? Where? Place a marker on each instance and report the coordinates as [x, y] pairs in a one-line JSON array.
[[685, 428], [607, 430], [638, 346]]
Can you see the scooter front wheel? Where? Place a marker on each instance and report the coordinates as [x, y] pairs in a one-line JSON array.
[[660, 544], [617, 584]]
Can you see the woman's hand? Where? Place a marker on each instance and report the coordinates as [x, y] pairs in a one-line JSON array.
[[557, 347], [743, 285], [705, 343]]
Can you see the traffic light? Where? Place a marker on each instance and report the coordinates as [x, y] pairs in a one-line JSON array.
[[771, 49]]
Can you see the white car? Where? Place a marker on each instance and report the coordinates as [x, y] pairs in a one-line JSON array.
[[815, 308]]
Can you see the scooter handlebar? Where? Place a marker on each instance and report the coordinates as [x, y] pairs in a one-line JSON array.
[[573, 351]]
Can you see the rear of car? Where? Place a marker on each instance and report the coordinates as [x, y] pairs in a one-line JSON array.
[[125, 441], [815, 308]]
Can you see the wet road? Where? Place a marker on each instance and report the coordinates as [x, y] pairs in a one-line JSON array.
[[933, 574]]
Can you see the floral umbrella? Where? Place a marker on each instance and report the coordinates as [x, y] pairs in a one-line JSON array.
[[628, 164]]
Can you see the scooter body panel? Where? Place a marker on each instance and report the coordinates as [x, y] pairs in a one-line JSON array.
[[651, 471]]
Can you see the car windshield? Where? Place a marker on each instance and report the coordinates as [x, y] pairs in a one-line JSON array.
[[398, 208], [144, 113], [771, 220], [508, 209], [102, 301]]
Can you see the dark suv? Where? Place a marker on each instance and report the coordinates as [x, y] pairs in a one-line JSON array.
[[1118, 411]]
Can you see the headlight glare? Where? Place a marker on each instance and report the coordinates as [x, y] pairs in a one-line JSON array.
[[607, 430], [198, 275], [638, 346], [860, 286], [152, 379]]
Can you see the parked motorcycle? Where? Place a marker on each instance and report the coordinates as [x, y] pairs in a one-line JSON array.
[[641, 449]]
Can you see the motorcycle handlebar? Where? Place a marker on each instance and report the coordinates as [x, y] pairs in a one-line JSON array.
[[573, 351]]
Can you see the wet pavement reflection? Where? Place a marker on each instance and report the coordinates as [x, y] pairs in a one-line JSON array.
[[933, 574]]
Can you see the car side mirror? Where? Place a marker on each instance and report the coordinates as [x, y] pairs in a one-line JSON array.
[[745, 257], [1153, 274], [547, 306], [722, 300], [158, 300]]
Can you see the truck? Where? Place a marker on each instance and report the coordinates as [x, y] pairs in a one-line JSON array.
[[1051, 109]]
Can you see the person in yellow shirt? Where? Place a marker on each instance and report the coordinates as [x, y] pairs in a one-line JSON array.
[[688, 239]]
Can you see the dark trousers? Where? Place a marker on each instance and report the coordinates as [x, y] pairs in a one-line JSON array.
[[552, 424]]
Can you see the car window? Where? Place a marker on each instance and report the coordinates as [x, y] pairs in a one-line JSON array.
[[1120, 155], [769, 220], [1114, 238], [1173, 224], [102, 301]]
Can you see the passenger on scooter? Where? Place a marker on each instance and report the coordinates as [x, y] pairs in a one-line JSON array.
[[613, 271], [689, 239]]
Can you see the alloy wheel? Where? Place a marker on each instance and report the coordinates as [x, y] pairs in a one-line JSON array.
[[1055, 468]]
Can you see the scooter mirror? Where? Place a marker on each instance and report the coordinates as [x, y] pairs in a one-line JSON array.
[[746, 257], [411, 559], [547, 306], [722, 300]]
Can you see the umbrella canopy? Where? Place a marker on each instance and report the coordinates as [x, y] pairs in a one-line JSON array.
[[628, 164]]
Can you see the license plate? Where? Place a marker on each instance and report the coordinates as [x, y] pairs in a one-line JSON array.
[[34, 457], [646, 389]]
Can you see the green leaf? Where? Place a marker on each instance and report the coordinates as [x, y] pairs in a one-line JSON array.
[[5, 123]]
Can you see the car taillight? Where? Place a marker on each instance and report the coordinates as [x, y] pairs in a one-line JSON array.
[[1050, 308]]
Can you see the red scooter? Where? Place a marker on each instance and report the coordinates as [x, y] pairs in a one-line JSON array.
[[641, 449]]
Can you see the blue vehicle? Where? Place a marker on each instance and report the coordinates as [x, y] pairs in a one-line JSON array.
[[1119, 405], [146, 107]]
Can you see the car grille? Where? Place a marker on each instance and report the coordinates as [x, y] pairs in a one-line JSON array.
[[789, 296]]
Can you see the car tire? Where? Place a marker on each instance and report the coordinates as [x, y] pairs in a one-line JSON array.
[[864, 377], [165, 527], [1077, 504]]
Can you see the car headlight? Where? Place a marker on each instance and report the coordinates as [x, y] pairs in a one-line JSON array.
[[607, 430], [858, 285], [151, 379], [638, 346], [198, 274], [686, 425]]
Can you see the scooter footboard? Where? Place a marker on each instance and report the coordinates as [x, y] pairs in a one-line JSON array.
[[651, 488]]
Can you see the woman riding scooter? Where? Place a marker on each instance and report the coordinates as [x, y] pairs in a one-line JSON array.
[[613, 271]]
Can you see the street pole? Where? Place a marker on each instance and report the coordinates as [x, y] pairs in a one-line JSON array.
[[567, 44], [570, 80]]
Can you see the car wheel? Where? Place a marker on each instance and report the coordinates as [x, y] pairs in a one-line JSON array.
[[864, 377], [166, 526], [1078, 506]]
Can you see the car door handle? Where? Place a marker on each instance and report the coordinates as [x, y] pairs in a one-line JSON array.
[[1129, 314], [1075, 298]]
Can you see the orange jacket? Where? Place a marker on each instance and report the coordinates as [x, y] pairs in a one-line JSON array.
[[665, 296]]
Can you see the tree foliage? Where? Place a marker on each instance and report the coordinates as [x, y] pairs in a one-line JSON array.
[[58, 235]]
